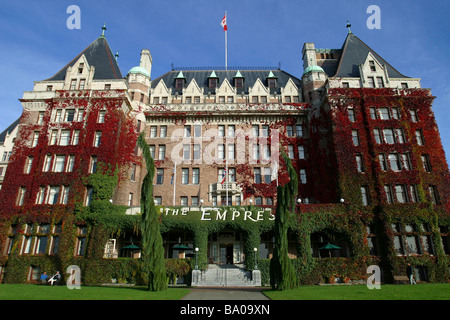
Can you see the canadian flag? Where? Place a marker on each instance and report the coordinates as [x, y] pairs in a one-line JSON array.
[[224, 23]]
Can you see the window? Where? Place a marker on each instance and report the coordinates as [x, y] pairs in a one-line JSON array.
[[179, 83], [370, 82], [388, 136], [257, 172], [265, 131], [80, 115], [414, 193], [213, 82], [272, 82], [256, 152], [53, 195], [41, 244], [80, 68], [187, 131], [395, 113], [267, 175], [426, 162], [40, 195], [221, 99], [394, 162], [197, 130], [414, 117], [93, 165], [28, 164], [21, 196], [290, 131], [75, 137], [377, 135], [40, 117], [184, 201], [49, 88], [301, 152], [434, 194], [291, 151], [70, 163], [47, 163], [130, 199], [80, 246], [351, 115], [365, 195], [187, 151], [101, 116], [158, 201], [133, 172], [153, 131], [399, 136], [221, 131], [355, 137], [302, 176], [384, 113], [70, 115], [65, 138], [359, 163], [419, 138], [404, 85], [373, 113], [195, 175], [345, 85], [400, 193], [406, 161], [82, 84], [299, 130], [159, 176], [258, 201], [161, 152], [231, 175], [73, 84], [184, 176], [372, 65], [163, 132], [239, 82], [107, 86], [380, 82], [196, 151], [388, 194], [59, 163], [231, 153], [89, 193], [97, 138], [382, 160], [35, 139]]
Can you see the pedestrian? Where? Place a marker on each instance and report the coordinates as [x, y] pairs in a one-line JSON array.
[[410, 273]]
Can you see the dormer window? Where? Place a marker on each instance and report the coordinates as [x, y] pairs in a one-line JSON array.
[[239, 82], [179, 83], [372, 65], [272, 82], [213, 82], [80, 68]]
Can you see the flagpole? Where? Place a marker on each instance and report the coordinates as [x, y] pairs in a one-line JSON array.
[[174, 181], [228, 174], [226, 49]]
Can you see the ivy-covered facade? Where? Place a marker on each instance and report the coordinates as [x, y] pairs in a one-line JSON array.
[[372, 176]]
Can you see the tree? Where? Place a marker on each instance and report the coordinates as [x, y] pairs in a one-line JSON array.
[[152, 243], [282, 272]]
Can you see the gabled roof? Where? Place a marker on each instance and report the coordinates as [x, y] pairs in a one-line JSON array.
[[8, 130], [99, 55], [354, 53], [250, 76]]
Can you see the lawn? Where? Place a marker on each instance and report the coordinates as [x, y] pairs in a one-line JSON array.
[[438, 291], [38, 292]]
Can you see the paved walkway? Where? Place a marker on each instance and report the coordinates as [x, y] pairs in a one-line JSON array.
[[225, 293]]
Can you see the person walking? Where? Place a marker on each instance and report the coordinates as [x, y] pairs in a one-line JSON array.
[[410, 273]]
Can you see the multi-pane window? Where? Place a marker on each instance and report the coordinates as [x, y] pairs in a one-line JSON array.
[[21, 196], [53, 195], [195, 175], [187, 151], [59, 163], [419, 137], [388, 194], [302, 176], [377, 135], [291, 151], [257, 172], [400, 193], [351, 114], [35, 139], [388, 136], [161, 152], [159, 176], [382, 159], [163, 131], [301, 152], [414, 117], [70, 163], [426, 162], [434, 194], [267, 175], [394, 162], [101, 116], [153, 131], [184, 176], [28, 164], [93, 165]]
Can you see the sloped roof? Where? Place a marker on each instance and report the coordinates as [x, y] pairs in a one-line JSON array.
[[250, 77], [8, 130], [99, 55], [354, 53]]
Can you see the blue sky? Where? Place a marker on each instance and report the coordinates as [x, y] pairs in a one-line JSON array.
[[36, 43]]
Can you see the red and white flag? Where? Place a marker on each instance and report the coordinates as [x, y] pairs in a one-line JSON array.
[[224, 23]]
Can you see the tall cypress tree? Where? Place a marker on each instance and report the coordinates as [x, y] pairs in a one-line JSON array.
[[152, 243], [282, 272]]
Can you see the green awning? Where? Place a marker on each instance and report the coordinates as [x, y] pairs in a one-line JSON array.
[[329, 246], [132, 247], [181, 247]]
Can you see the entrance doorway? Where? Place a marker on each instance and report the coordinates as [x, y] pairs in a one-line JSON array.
[[225, 248]]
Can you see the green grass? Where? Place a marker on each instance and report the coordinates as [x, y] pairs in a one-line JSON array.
[[38, 292], [439, 291]]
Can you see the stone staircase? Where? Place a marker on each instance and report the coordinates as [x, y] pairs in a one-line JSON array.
[[225, 276]]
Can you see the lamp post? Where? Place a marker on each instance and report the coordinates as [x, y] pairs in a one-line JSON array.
[[256, 259], [201, 202], [196, 261]]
